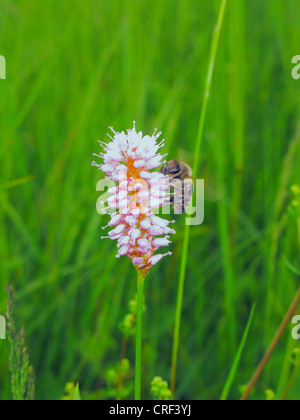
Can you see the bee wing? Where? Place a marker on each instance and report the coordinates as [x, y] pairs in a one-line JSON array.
[[185, 156], [188, 193], [213, 192]]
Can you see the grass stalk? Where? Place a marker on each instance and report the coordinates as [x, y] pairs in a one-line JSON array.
[[290, 383], [273, 345], [237, 359], [184, 254], [236, 96]]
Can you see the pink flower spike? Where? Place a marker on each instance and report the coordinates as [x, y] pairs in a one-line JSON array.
[[128, 159]]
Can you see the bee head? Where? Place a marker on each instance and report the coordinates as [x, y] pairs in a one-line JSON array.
[[171, 168]]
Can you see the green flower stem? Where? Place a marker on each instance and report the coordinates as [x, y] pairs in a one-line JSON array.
[[138, 353], [211, 65]]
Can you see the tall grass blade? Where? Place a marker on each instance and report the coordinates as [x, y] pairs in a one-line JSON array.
[[237, 359]]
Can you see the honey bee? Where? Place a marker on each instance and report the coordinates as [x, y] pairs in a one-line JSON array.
[[182, 184]]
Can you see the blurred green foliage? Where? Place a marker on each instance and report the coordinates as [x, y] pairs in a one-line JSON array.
[[73, 69], [128, 324]]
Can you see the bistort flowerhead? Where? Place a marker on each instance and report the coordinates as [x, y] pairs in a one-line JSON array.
[[129, 160]]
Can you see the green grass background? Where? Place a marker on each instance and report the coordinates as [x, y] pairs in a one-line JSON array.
[[73, 69]]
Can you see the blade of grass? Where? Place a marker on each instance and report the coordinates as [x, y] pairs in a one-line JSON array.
[[77, 396], [236, 96], [290, 383], [17, 182], [291, 267], [236, 362], [273, 345], [212, 58]]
